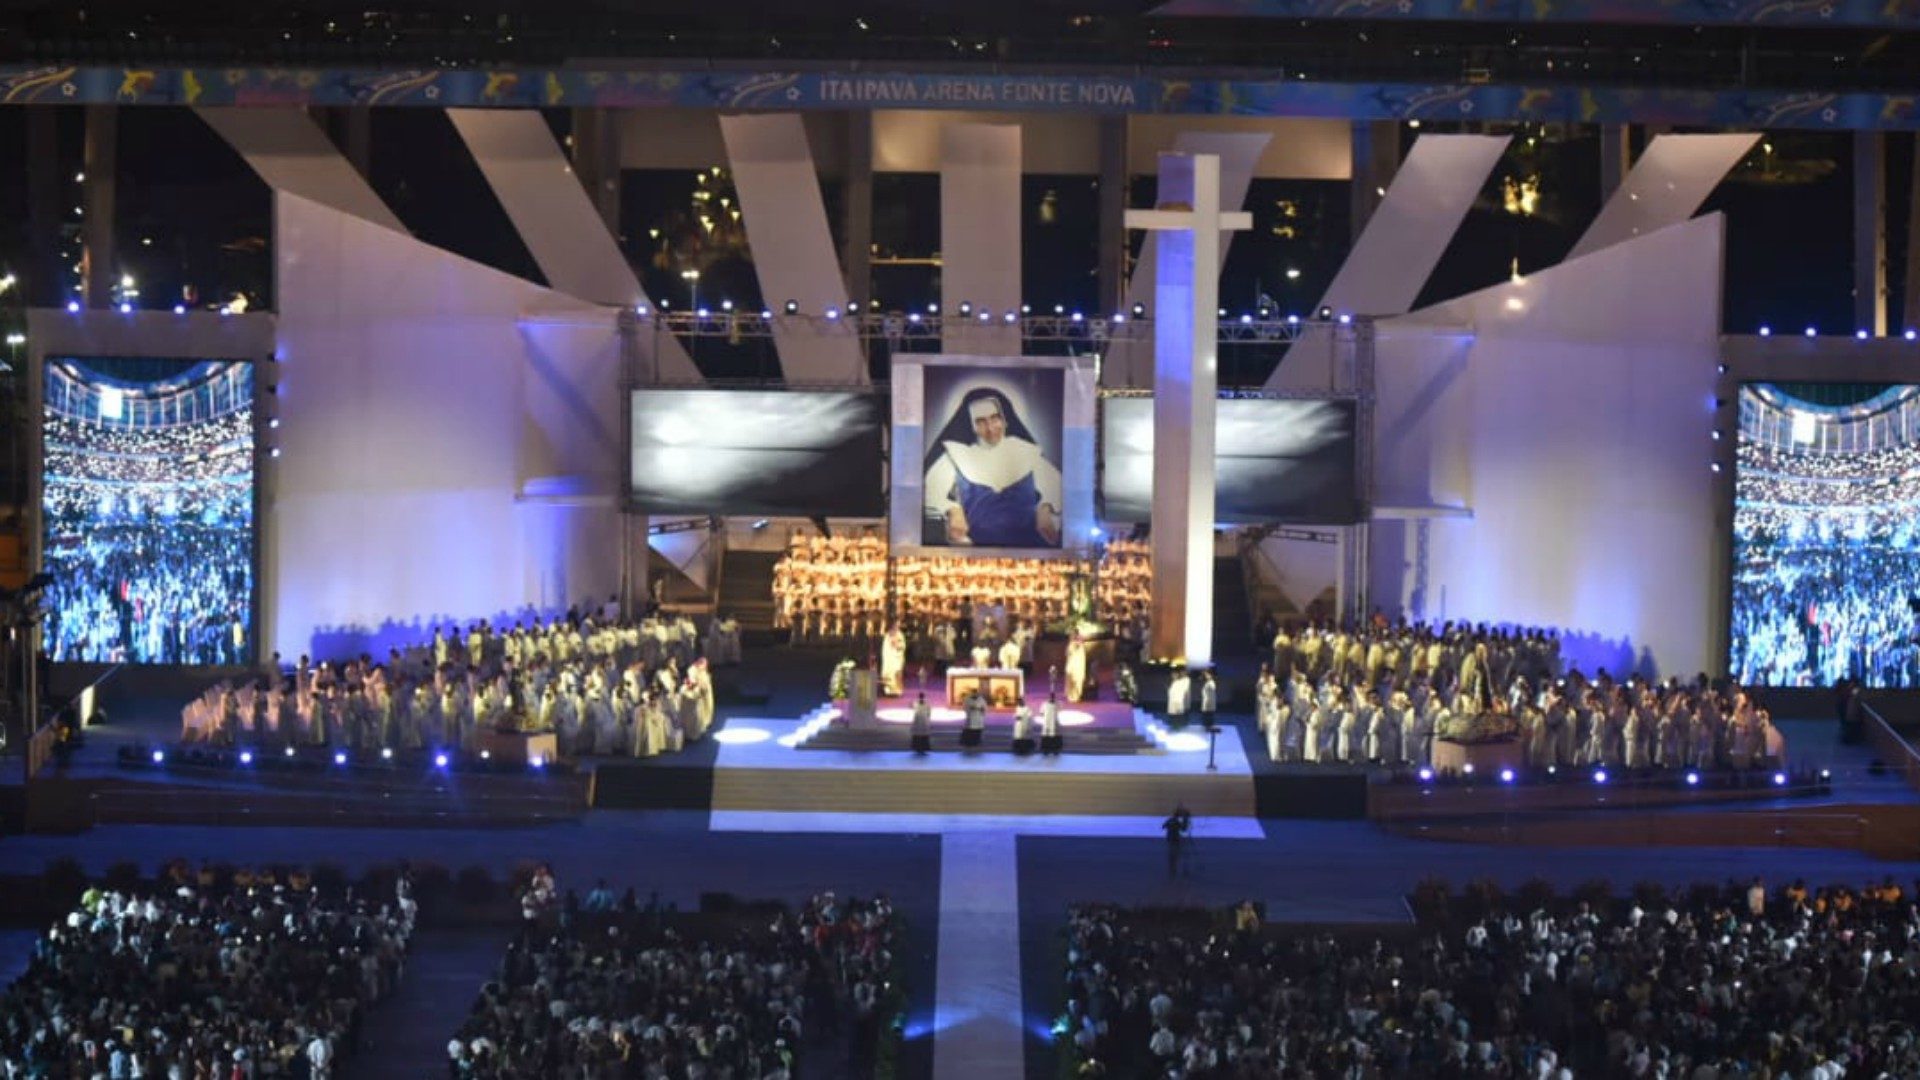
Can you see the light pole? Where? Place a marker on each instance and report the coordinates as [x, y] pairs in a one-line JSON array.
[[692, 278]]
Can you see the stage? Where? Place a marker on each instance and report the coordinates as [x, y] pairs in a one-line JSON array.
[[812, 764]]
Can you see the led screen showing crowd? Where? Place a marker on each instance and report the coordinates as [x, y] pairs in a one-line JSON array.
[[1826, 548], [148, 500]]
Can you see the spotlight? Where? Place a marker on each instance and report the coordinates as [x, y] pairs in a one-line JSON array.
[[1467, 768], [1826, 774], [933, 309], [1860, 335], [702, 313], [1599, 776], [1119, 317], [386, 753], [246, 757], [274, 453], [1293, 320], [966, 308], [1011, 318], [1324, 314], [179, 309], [1426, 774], [1025, 309], [1714, 465], [73, 307], [986, 316], [159, 757], [1506, 776], [873, 305], [1779, 779], [1721, 368], [288, 752], [538, 762], [765, 314], [640, 310], [792, 307], [1246, 320], [1223, 313], [339, 757], [1077, 317], [833, 313], [1811, 332], [1693, 779], [1139, 311], [914, 317], [1345, 319], [1059, 309], [1766, 331], [726, 305], [440, 760], [486, 755], [1910, 335], [1716, 434], [1553, 770]]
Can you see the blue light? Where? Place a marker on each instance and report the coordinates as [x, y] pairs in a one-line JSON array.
[[1811, 331], [1779, 779], [702, 313], [440, 760], [1245, 320], [1860, 335], [1467, 768], [1693, 779], [833, 313], [1911, 334], [640, 310], [159, 757], [1426, 774], [179, 309], [1766, 331], [288, 752], [1345, 318], [1293, 320], [1599, 776], [246, 757], [1097, 534], [339, 757], [537, 761], [73, 307], [386, 753], [1506, 776], [1077, 317], [914, 318]]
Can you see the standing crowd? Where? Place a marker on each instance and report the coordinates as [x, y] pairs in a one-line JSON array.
[[1385, 693], [603, 686]]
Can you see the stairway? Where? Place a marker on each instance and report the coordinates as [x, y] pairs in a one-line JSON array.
[[995, 739], [746, 589], [1232, 615]]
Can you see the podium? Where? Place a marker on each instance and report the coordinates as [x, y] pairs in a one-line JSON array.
[[518, 747], [862, 701], [1003, 688]]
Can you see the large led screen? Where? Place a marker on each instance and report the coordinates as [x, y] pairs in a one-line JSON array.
[[741, 452], [1276, 461], [991, 468], [147, 495], [1826, 558]]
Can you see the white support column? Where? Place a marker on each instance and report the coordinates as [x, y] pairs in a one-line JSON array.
[[1186, 329], [980, 237]]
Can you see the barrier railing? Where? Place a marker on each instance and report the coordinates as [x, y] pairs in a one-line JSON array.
[[1897, 752]]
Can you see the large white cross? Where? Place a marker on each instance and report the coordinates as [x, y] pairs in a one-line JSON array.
[[1186, 336]]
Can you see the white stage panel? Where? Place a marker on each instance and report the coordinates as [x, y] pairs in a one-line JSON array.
[[980, 237], [793, 252], [1402, 243], [1665, 187], [293, 155]]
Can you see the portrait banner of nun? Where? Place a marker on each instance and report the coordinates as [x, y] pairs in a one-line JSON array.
[[992, 455], [991, 468]]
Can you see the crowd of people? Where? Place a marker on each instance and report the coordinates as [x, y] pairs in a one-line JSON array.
[[603, 686], [204, 976], [1826, 554], [834, 589], [1384, 693], [601, 987], [1787, 982], [149, 539]]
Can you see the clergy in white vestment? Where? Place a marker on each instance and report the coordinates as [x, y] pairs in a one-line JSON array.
[[1022, 727], [976, 726], [1179, 690], [1050, 718], [1076, 668], [1010, 654], [893, 661], [987, 480]]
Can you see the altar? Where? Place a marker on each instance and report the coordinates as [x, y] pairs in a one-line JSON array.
[[1004, 688]]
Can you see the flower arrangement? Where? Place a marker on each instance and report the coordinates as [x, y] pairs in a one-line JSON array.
[[840, 686]]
